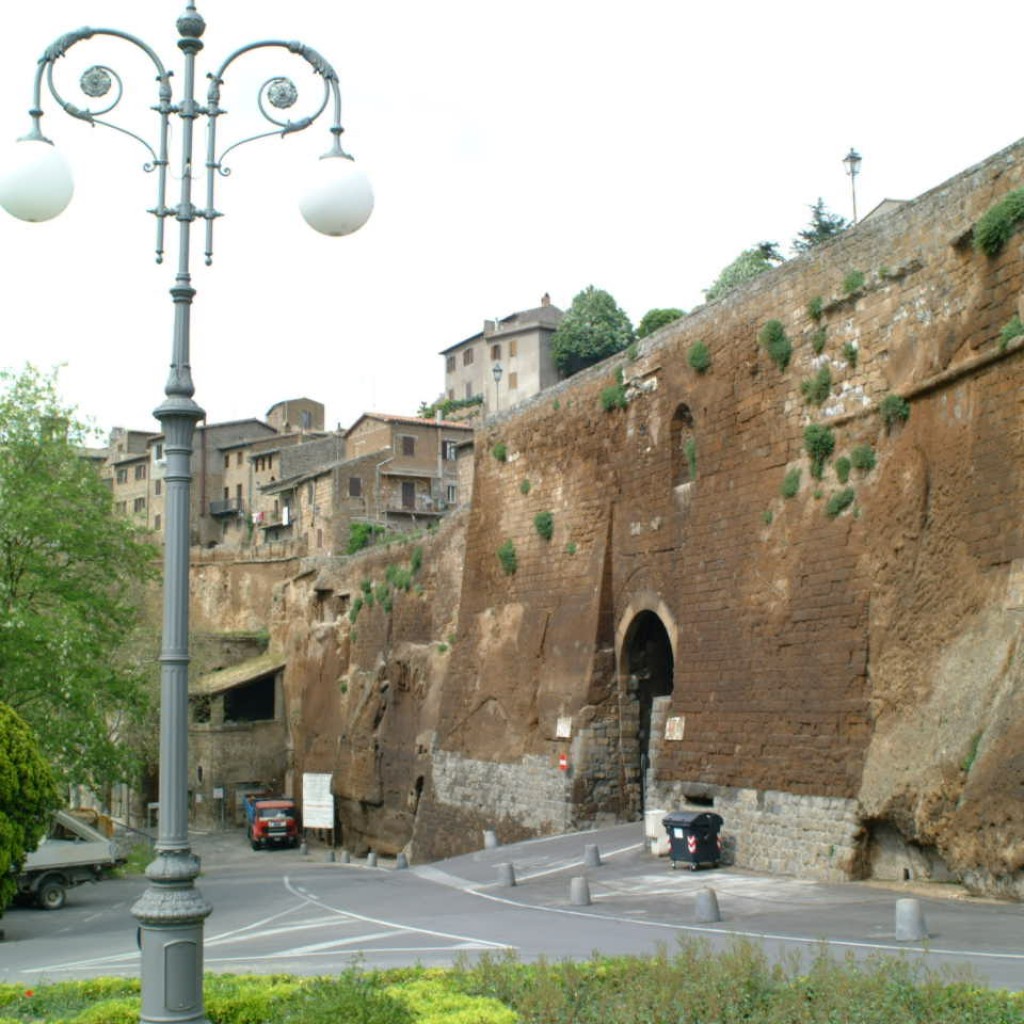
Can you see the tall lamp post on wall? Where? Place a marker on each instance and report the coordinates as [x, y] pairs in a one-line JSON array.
[[852, 162], [497, 371], [37, 187]]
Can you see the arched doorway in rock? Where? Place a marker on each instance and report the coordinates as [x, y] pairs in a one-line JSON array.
[[648, 669]]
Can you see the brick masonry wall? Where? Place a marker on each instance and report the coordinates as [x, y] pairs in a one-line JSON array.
[[796, 635]]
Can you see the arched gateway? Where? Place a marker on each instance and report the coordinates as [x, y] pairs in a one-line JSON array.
[[645, 647]]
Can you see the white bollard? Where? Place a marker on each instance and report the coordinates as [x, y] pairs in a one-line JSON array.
[[490, 839], [401, 861], [506, 875], [579, 892], [346, 857], [591, 856], [706, 910], [371, 859], [910, 926]]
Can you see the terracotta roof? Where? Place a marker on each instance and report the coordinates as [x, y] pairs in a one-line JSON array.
[[420, 421]]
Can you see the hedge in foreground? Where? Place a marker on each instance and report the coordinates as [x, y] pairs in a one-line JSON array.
[[692, 986]]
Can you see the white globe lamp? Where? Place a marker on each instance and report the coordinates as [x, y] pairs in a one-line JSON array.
[[35, 180], [338, 198]]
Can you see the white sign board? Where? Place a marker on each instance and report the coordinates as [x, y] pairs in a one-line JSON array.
[[317, 800]]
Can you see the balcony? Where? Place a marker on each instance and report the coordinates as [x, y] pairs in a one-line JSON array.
[[227, 507]]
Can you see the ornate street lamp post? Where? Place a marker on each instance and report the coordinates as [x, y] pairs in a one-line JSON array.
[[496, 372], [852, 162], [172, 910]]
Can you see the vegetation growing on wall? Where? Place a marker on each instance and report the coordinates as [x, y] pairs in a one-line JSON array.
[[362, 535], [850, 354], [839, 501], [853, 281], [544, 524], [500, 451], [699, 357], [524, 487], [863, 458], [507, 557], [776, 343], [817, 388], [790, 484], [842, 468], [690, 451], [816, 308], [819, 442], [447, 406], [894, 410], [614, 397], [998, 223], [818, 340], [1013, 329]]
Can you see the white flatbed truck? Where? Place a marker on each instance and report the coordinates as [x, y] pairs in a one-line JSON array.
[[71, 853]]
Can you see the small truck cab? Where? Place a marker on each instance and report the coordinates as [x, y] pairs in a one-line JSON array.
[[71, 853], [272, 821]]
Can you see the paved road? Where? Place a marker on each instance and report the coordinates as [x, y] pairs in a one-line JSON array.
[[286, 911]]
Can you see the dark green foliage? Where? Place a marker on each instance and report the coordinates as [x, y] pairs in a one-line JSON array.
[[614, 397], [507, 557], [500, 451], [823, 226], [776, 344], [998, 223], [416, 559], [654, 319], [362, 535], [818, 339], [570, 548], [398, 577], [72, 579], [819, 442], [853, 282], [699, 357], [592, 329], [524, 487], [816, 308], [839, 501], [27, 794], [842, 467], [850, 354], [447, 406], [894, 409], [817, 388], [1013, 329], [690, 451], [749, 264], [353, 612], [863, 458], [790, 484], [544, 524]]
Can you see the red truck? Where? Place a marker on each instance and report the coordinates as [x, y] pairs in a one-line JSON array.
[[272, 821]]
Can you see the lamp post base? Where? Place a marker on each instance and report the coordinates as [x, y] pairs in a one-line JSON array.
[[171, 913]]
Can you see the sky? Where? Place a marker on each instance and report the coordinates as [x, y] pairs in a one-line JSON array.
[[514, 149]]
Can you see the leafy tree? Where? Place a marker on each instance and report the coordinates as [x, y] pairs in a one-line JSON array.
[[654, 319], [592, 329], [27, 795], [71, 579], [748, 265], [823, 226]]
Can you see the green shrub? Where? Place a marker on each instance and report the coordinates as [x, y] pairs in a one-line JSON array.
[[507, 557], [818, 340], [894, 409], [776, 344], [817, 388], [361, 535], [819, 442], [863, 458], [790, 484], [436, 1001], [690, 451], [500, 451], [524, 487], [853, 282], [816, 308], [570, 548], [1013, 329], [416, 559], [842, 469], [839, 501], [699, 357], [767, 516], [850, 354], [544, 524], [884, 273], [353, 612], [632, 351], [614, 397], [997, 224]]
